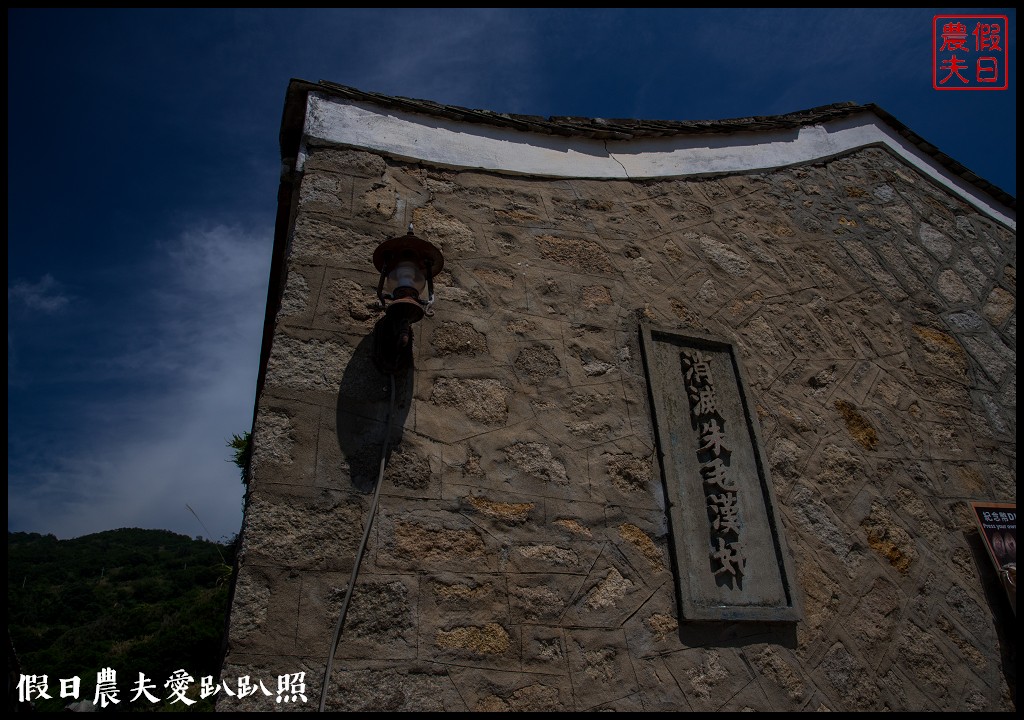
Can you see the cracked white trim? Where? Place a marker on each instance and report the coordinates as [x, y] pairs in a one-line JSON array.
[[450, 143]]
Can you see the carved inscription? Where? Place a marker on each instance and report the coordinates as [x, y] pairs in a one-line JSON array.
[[721, 493], [730, 558]]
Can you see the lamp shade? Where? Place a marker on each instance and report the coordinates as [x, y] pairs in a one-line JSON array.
[[408, 248]]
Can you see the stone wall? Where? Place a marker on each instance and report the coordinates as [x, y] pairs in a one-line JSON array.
[[520, 556]]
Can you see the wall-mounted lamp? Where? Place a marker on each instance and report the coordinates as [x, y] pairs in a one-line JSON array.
[[407, 265]]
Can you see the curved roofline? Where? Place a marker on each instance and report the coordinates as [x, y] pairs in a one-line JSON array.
[[626, 130]]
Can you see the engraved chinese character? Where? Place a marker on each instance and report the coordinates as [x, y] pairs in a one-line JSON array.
[[712, 435], [730, 558], [715, 473], [725, 512], [702, 401], [698, 369]]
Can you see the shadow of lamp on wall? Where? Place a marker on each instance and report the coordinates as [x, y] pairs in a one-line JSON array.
[[407, 265]]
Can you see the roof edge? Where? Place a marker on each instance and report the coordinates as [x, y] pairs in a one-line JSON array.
[[632, 129]]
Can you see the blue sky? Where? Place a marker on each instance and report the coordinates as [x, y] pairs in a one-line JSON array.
[[142, 177]]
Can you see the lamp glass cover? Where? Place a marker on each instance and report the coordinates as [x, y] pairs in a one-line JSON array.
[[405, 274]]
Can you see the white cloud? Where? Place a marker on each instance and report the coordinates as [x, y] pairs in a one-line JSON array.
[[138, 459], [47, 295]]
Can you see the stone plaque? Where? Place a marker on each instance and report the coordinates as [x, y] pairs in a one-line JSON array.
[[732, 560]]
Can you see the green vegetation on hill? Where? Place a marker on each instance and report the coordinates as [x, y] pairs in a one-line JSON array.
[[148, 601]]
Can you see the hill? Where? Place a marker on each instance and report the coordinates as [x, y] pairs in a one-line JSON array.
[[136, 601]]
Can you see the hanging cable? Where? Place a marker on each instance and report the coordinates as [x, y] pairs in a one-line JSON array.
[[362, 549]]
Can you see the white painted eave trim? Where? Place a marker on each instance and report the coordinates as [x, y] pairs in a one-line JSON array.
[[450, 143]]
